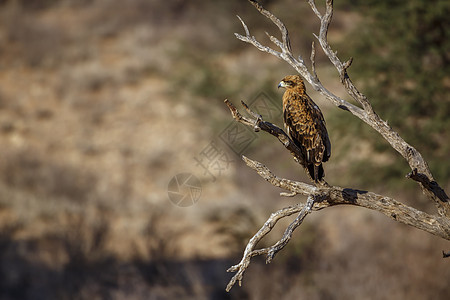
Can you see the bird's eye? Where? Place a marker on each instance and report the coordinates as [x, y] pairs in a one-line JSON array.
[[290, 83]]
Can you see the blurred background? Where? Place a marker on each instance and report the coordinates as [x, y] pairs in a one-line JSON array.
[[105, 104]]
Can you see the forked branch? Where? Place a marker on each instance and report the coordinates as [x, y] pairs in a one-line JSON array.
[[270, 252], [319, 197], [366, 113], [322, 196]]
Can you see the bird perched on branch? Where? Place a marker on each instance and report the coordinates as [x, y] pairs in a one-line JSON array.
[[305, 125]]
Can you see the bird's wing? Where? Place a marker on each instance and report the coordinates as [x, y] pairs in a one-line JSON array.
[[306, 126], [322, 130]]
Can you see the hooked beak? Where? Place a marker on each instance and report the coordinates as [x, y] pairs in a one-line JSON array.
[[281, 84]]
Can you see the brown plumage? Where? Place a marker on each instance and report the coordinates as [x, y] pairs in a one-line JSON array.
[[305, 125]]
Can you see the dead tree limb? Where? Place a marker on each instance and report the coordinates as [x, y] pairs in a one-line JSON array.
[[367, 114], [322, 196], [319, 197], [302, 209]]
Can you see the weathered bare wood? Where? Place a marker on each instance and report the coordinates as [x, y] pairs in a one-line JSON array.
[[270, 252], [258, 123], [323, 195], [367, 114], [333, 195]]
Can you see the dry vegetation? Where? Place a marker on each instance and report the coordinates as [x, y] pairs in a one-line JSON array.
[[103, 101]]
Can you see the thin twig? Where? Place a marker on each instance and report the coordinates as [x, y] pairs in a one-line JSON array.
[[313, 61], [250, 251], [259, 123], [288, 233], [270, 252]]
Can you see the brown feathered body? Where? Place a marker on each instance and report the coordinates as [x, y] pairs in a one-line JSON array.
[[305, 125]]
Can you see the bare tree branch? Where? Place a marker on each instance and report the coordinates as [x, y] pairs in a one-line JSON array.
[[323, 195], [333, 195], [366, 114], [319, 197], [258, 123], [302, 209]]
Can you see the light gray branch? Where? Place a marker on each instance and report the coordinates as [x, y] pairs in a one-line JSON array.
[[323, 195], [334, 195], [319, 197], [270, 252], [258, 123], [366, 113], [298, 64]]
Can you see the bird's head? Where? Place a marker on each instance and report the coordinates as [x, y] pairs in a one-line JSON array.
[[292, 82]]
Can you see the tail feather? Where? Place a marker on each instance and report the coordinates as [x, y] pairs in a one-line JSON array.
[[316, 172]]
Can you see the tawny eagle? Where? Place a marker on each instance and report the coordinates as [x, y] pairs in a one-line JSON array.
[[305, 125]]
